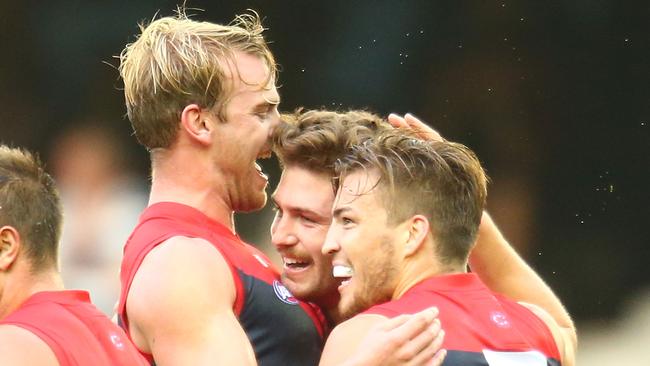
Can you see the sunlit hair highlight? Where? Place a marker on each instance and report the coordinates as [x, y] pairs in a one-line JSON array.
[[177, 61], [442, 180], [315, 139]]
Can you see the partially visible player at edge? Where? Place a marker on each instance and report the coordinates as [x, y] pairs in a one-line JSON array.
[[202, 99], [405, 218], [40, 322]]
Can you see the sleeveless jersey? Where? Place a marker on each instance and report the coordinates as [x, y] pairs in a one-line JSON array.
[[281, 329], [481, 328], [76, 331]]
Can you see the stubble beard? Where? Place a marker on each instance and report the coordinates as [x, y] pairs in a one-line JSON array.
[[378, 286]]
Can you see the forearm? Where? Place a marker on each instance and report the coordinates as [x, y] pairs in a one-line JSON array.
[[504, 271]]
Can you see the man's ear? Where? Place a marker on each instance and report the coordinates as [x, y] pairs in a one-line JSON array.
[[10, 243], [197, 124], [418, 231]]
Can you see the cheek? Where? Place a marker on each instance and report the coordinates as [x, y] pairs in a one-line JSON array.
[[351, 241], [314, 240]]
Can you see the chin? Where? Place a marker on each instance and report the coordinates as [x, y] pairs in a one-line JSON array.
[[303, 292], [347, 308], [254, 202], [355, 305], [298, 291]]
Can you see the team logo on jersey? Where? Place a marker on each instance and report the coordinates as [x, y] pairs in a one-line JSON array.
[[500, 319], [283, 294], [116, 340]]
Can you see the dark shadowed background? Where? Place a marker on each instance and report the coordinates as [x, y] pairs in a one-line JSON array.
[[553, 96]]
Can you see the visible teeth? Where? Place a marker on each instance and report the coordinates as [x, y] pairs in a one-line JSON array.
[[258, 167], [342, 271], [290, 261]]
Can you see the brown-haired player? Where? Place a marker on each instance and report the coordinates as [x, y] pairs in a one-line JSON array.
[[308, 146], [202, 99], [405, 217], [40, 322]]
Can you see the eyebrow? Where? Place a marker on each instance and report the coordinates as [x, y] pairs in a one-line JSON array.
[[340, 211], [301, 209], [266, 104]]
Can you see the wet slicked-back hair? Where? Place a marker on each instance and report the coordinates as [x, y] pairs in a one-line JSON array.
[[315, 139], [29, 202], [442, 180], [177, 61]]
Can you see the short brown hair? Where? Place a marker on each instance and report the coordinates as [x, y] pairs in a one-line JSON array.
[[441, 180], [315, 139], [177, 61], [30, 203]]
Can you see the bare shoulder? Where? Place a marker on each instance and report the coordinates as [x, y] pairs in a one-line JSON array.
[[565, 337], [344, 340], [19, 346], [359, 324], [178, 283]]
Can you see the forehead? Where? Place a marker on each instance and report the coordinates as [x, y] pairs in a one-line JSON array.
[[360, 190], [301, 187], [250, 74]]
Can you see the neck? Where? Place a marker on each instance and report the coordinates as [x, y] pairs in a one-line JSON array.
[[332, 315], [420, 267], [23, 284], [185, 176]]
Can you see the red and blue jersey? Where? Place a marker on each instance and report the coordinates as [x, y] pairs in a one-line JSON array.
[[481, 328], [281, 329]]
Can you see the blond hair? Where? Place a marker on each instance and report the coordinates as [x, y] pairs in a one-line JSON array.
[[177, 61], [442, 180]]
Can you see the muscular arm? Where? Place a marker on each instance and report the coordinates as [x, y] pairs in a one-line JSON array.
[[504, 271], [20, 347], [180, 307]]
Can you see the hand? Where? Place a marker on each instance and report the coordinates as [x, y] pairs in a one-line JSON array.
[[410, 122], [411, 340]]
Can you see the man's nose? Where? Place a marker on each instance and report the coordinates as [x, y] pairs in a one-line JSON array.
[[331, 246], [282, 233]]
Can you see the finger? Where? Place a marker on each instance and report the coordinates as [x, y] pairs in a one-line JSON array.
[[432, 354], [414, 326], [413, 121], [439, 358], [395, 322], [422, 128], [397, 121], [419, 348]]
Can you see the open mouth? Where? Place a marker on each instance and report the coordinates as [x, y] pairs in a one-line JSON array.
[[343, 272], [294, 264], [265, 154], [260, 172]]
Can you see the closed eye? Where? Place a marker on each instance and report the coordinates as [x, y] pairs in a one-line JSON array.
[[308, 219]]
